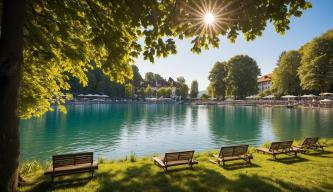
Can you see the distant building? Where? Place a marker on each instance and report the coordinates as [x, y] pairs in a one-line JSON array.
[[264, 82]]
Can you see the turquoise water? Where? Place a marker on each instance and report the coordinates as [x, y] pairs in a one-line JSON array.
[[116, 130]]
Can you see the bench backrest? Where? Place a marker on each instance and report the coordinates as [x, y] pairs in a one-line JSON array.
[[176, 156], [284, 145], [72, 159], [310, 141], [233, 151]]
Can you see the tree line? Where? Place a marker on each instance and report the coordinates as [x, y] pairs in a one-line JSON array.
[[235, 78], [152, 85], [307, 70]]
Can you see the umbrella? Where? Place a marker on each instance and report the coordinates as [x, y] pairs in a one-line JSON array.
[[326, 94], [289, 97], [309, 96], [104, 96], [269, 97], [89, 95], [81, 95], [326, 101]]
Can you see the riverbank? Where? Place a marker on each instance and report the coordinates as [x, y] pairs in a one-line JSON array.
[[307, 172]]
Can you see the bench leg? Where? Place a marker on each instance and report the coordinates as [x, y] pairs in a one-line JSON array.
[[92, 173], [165, 169], [274, 156]]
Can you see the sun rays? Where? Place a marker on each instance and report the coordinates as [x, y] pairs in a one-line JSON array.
[[209, 17]]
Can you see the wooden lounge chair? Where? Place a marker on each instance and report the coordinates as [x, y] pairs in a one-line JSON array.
[[71, 163], [174, 159], [310, 143], [233, 153], [277, 148]]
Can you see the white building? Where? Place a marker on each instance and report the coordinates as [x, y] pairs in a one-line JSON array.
[[264, 82]]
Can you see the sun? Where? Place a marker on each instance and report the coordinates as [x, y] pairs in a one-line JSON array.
[[209, 18]]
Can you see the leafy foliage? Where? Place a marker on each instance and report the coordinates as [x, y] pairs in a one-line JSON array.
[[181, 88], [63, 38], [284, 78], [217, 77], [242, 76], [194, 89], [316, 70]]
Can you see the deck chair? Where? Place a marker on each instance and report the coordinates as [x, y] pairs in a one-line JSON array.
[[232, 153], [277, 148], [174, 159], [310, 143]]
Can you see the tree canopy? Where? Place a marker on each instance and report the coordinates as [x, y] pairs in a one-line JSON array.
[[242, 76], [217, 77], [236, 77], [316, 69], [181, 88], [194, 89], [285, 80]]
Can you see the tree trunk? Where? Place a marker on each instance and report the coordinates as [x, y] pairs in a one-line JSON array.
[[11, 46]]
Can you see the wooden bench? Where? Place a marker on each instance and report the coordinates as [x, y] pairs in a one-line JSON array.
[[231, 153], [174, 159], [277, 148], [310, 143], [71, 163]]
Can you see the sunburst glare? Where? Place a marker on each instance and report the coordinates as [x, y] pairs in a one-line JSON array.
[[209, 17]]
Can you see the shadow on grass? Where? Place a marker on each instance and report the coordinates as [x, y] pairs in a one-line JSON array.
[[239, 165], [319, 153], [145, 177], [48, 185], [289, 160]]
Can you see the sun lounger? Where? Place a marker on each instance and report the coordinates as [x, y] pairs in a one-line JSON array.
[[310, 143], [174, 159], [71, 164], [232, 153], [277, 148]]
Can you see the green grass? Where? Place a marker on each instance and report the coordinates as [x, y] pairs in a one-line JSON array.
[[308, 172]]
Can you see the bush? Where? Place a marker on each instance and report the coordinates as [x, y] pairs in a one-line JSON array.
[[28, 167], [133, 157]]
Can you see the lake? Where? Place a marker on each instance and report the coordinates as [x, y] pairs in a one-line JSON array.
[[113, 131]]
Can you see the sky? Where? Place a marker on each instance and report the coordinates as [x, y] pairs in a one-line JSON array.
[[264, 49]]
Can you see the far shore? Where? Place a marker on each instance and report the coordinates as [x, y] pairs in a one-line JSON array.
[[260, 103]]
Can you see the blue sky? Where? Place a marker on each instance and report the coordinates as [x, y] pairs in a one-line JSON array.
[[265, 49]]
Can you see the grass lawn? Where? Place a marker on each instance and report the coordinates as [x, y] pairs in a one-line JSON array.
[[307, 172]]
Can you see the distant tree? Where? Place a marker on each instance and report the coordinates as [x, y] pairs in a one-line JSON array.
[[141, 92], [284, 78], [137, 78], [129, 90], [242, 76], [149, 91], [204, 96], [160, 92], [217, 77], [211, 92], [150, 78], [181, 88], [316, 70], [194, 89], [168, 92]]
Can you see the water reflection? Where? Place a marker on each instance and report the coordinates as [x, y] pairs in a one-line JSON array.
[[116, 130]]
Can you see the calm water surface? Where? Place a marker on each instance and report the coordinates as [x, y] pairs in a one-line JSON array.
[[117, 130]]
